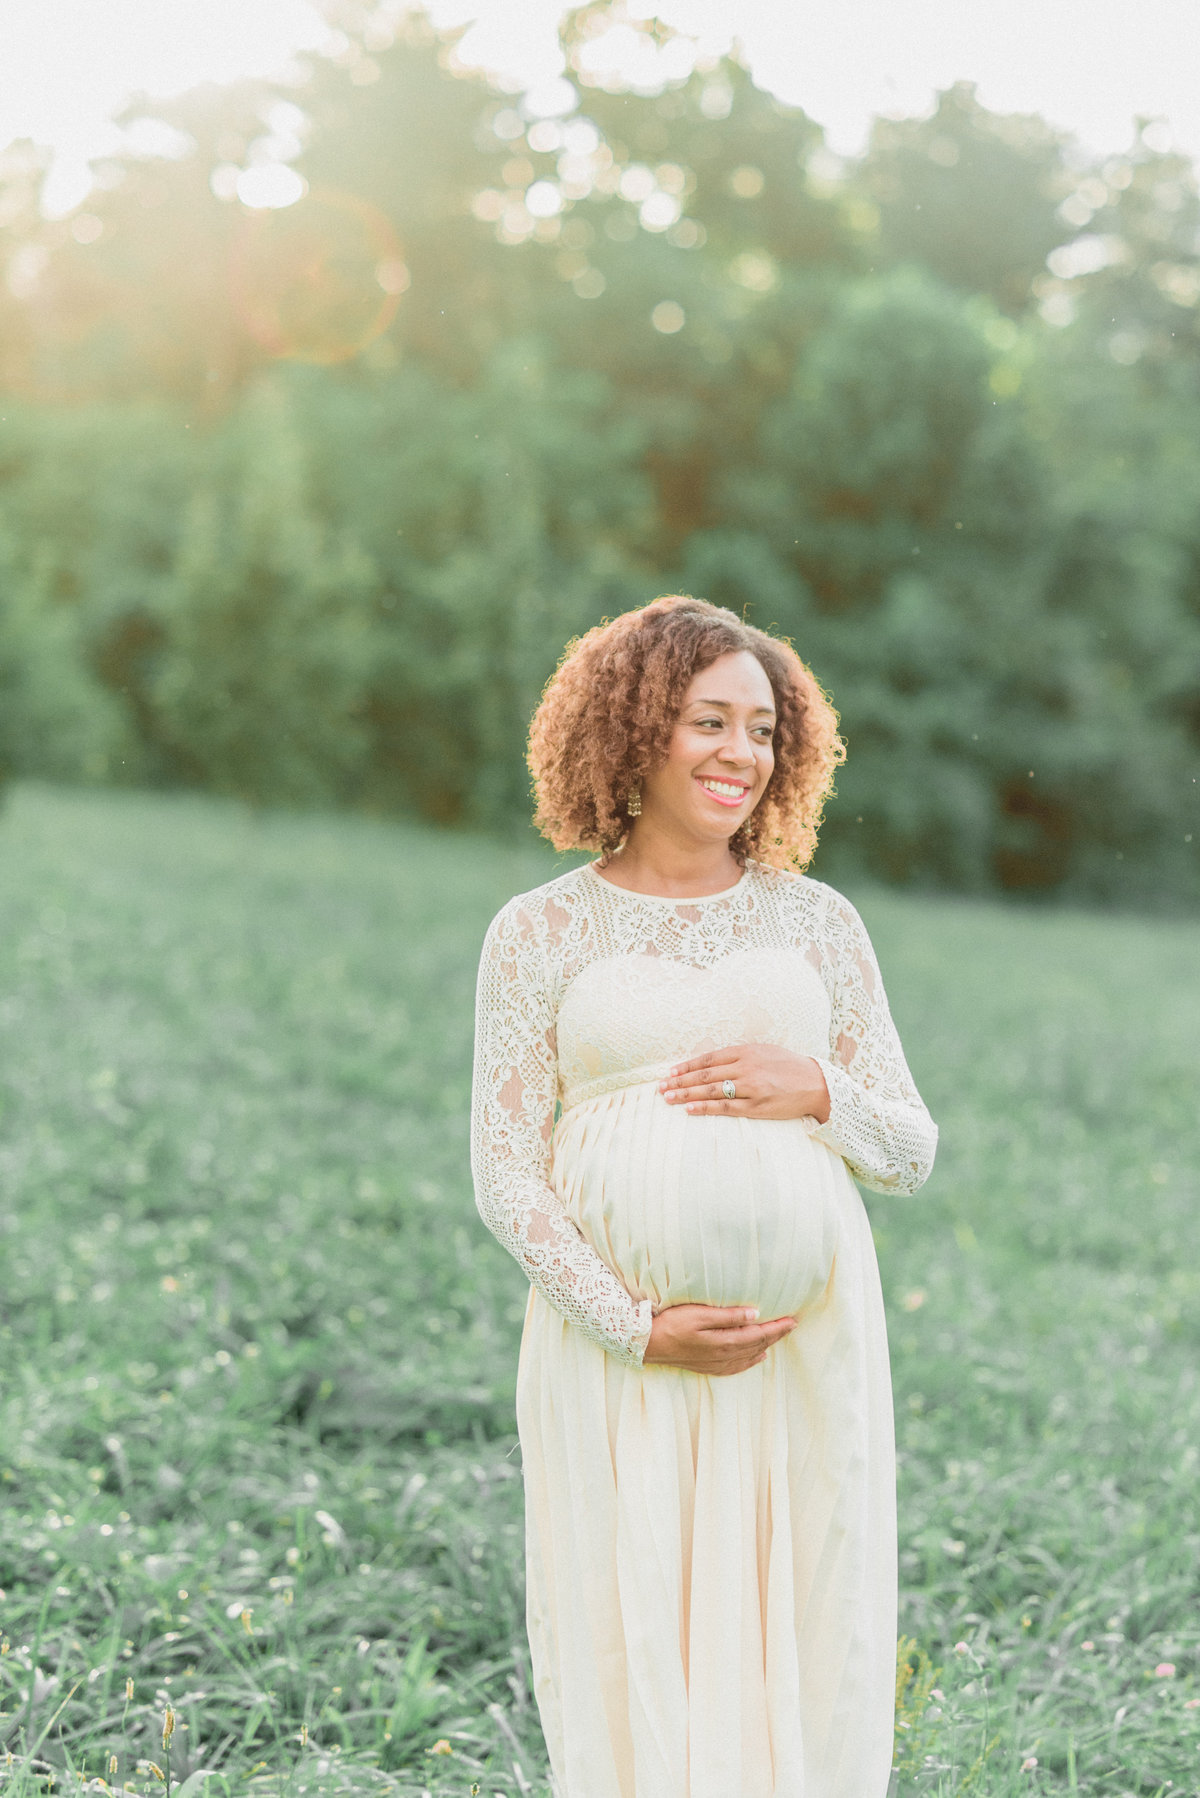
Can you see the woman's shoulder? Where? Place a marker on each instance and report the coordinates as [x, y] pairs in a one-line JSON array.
[[789, 884], [543, 913], [813, 902]]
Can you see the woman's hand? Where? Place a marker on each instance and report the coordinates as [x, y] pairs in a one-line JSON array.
[[713, 1339], [769, 1082]]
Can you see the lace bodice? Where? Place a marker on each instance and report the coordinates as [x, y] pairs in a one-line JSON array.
[[565, 1013]]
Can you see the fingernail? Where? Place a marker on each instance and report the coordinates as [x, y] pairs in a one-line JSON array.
[[752, 1315]]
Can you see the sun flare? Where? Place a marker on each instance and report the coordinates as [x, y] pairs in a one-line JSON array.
[[72, 66]]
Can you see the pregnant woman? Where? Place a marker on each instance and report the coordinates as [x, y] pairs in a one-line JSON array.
[[684, 1052]]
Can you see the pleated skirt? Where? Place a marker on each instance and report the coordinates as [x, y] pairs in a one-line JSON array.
[[711, 1561]]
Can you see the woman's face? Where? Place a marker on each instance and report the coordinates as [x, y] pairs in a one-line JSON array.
[[720, 756]]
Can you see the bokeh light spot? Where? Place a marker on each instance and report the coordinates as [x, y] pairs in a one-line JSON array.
[[393, 276], [688, 234], [1180, 282], [545, 137], [755, 271], [716, 100], [270, 186], [551, 99], [224, 180], [580, 138], [746, 183], [668, 317], [659, 212], [637, 182], [1126, 347], [1083, 256], [543, 200]]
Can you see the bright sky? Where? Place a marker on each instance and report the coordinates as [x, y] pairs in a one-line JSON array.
[[1086, 65]]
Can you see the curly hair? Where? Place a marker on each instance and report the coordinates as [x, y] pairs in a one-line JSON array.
[[607, 714]]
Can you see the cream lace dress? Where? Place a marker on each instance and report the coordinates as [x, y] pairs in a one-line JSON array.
[[711, 1562]]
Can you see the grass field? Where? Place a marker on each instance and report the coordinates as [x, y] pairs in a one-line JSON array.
[[258, 1353]]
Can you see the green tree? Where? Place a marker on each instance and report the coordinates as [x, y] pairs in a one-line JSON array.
[[1140, 304], [658, 341], [503, 520], [861, 463], [56, 720], [973, 195], [257, 681]]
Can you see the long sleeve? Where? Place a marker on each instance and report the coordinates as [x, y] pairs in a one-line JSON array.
[[877, 1119], [512, 1119]]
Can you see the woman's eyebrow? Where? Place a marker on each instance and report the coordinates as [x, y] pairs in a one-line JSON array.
[[726, 705]]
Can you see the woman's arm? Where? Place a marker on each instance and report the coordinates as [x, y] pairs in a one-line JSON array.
[[512, 1118], [877, 1119]]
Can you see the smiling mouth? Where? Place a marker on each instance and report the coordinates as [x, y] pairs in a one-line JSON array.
[[725, 792]]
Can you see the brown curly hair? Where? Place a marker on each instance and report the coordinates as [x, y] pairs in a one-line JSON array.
[[607, 715]]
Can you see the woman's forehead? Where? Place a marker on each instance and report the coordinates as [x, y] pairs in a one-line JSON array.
[[736, 679]]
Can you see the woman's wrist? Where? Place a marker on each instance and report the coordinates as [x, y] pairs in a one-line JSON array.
[[819, 1102]]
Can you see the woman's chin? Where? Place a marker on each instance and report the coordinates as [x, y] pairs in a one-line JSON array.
[[722, 821], [718, 829]]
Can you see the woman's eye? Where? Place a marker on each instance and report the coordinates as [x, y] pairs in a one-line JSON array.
[[765, 732]]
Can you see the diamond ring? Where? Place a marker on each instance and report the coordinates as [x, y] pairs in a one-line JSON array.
[[729, 1089]]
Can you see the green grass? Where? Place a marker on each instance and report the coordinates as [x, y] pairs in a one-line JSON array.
[[257, 1353]]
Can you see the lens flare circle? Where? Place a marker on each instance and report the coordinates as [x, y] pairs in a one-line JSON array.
[[319, 280]]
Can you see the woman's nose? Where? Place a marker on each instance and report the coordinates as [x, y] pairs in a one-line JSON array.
[[737, 748]]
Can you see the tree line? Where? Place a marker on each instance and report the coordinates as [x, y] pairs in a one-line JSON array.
[[301, 503]]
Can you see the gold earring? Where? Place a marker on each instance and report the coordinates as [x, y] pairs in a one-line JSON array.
[[634, 804]]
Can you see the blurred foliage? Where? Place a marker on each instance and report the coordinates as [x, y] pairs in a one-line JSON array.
[[301, 503], [972, 195]]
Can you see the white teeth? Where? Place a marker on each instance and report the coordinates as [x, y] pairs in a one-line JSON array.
[[725, 788]]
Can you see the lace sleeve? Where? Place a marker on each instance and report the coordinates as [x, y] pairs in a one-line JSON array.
[[877, 1119], [512, 1117]]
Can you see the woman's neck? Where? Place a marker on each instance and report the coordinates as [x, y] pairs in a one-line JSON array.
[[653, 862]]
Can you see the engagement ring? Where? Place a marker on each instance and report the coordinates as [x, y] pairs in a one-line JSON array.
[[729, 1089]]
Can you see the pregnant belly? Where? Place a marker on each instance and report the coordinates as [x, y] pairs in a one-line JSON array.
[[702, 1210]]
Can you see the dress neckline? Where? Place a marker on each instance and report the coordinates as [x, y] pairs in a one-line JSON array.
[[676, 899]]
